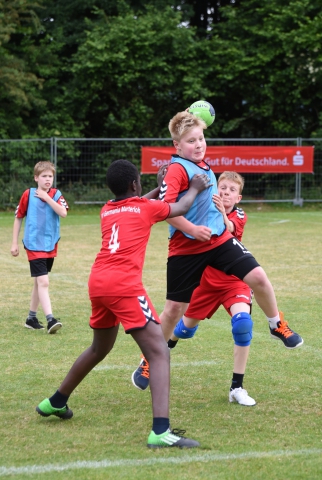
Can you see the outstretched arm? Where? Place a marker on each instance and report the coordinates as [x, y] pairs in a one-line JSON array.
[[198, 183]]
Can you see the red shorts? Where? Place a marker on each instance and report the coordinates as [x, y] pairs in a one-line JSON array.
[[215, 289], [131, 312]]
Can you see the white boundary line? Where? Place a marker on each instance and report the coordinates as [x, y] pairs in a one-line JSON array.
[[91, 465], [172, 364]]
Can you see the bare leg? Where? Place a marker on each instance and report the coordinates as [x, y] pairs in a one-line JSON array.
[[240, 358], [171, 314], [34, 302], [153, 346], [103, 342], [42, 289], [263, 291]]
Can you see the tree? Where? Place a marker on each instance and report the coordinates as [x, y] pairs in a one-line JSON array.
[[270, 68], [20, 87]]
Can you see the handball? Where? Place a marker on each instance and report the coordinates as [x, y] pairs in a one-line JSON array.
[[203, 110]]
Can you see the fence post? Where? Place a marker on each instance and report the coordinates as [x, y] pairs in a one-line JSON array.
[[298, 200], [53, 154]]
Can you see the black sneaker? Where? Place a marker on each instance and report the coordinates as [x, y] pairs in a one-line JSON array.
[[34, 324], [284, 333], [53, 325]]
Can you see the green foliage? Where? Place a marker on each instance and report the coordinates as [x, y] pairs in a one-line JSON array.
[[20, 86], [100, 68]]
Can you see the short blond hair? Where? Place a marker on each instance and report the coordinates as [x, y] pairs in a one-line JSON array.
[[182, 122], [233, 177], [42, 166]]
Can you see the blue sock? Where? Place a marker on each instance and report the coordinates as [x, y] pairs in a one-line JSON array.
[[160, 425]]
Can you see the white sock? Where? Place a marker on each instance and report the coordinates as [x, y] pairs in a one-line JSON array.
[[273, 321]]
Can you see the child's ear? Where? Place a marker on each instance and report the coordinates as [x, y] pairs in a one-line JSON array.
[[239, 198], [133, 186]]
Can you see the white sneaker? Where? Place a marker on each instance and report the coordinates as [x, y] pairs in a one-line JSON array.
[[241, 396]]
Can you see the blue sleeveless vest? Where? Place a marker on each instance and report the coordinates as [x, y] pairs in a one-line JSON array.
[[42, 225], [203, 210]]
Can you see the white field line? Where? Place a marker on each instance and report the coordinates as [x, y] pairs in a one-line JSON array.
[[184, 459], [173, 364], [280, 221]]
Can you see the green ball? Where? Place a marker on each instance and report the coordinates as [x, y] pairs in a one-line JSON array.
[[203, 110]]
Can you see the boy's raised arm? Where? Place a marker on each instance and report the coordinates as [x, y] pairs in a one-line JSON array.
[[198, 183]]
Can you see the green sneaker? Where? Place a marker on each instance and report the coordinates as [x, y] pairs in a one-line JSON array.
[[171, 438], [45, 409]]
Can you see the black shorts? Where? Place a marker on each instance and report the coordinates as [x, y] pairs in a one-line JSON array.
[[184, 271], [40, 266]]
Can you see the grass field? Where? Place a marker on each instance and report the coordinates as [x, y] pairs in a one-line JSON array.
[[279, 438]]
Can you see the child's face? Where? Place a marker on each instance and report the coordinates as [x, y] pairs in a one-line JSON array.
[[229, 192], [45, 180], [192, 145]]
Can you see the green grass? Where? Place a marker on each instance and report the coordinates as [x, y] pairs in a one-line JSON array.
[[279, 438]]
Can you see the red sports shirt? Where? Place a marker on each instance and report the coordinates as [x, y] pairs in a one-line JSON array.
[[213, 278], [216, 288], [126, 226]]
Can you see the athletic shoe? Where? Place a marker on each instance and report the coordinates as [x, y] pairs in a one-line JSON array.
[[53, 325], [284, 333], [34, 324], [171, 438], [241, 396], [45, 409], [141, 376]]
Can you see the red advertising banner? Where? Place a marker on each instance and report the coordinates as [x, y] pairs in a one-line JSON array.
[[243, 159]]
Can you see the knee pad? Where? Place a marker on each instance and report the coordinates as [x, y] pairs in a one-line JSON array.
[[181, 331], [242, 326]]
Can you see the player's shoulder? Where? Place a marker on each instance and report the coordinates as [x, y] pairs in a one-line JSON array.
[[237, 212]]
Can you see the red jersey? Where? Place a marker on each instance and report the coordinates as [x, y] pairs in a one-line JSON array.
[[239, 219], [126, 226], [176, 181], [21, 212], [216, 287], [211, 277]]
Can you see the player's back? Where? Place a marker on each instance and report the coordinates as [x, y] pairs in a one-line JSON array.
[[126, 226]]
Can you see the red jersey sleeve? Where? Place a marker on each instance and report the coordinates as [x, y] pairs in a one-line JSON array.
[[52, 192], [239, 219], [175, 181], [21, 210]]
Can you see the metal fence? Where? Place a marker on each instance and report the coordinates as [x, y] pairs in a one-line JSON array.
[[81, 165]]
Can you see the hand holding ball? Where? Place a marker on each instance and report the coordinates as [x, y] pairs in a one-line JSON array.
[[203, 110]]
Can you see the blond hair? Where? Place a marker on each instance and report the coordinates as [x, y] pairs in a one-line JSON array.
[[233, 177], [42, 166], [182, 122]]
